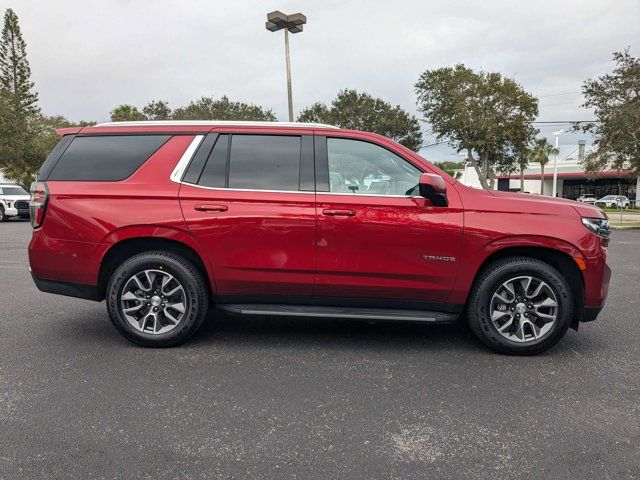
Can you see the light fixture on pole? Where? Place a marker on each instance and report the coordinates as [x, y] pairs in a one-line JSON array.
[[555, 162], [289, 23]]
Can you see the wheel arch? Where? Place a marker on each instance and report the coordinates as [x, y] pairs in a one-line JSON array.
[[128, 247], [561, 260]]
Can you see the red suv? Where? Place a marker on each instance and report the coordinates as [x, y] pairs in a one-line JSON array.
[[163, 219]]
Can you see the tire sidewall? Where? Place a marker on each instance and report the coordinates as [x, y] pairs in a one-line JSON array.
[[196, 305], [505, 271]]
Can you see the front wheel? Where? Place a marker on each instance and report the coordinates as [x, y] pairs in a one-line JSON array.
[[157, 299], [520, 306], [3, 217]]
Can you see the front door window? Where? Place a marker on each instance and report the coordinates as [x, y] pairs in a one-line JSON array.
[[362, 168]]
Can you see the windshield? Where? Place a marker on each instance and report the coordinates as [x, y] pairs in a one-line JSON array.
[[609, 197], [12, 191]]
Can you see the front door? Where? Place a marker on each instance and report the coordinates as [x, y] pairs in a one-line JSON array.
[[376, 239], [244, 200]]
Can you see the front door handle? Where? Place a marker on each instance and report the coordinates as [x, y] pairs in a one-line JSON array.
[[211, 208], [338, 213]]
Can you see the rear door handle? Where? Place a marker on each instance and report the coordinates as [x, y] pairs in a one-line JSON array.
[[338, 213], [211, 208]]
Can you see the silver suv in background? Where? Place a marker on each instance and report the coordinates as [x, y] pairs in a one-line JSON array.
[[615, 201], [14, 202], [587, 198]]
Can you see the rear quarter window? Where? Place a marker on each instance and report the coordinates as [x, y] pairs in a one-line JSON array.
[[105, 158]]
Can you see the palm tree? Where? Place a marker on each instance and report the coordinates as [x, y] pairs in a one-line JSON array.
[[541, 151]]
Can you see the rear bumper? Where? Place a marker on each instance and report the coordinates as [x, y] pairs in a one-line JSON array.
[[65, 261], [68, 289]]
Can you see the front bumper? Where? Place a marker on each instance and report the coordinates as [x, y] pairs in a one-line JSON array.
[[16, 212]]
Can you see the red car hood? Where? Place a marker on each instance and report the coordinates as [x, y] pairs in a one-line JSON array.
[[583, 209]]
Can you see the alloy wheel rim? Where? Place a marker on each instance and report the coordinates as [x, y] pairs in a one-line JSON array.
[[153, 302], [524, 309]]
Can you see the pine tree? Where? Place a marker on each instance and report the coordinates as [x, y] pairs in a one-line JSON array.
[[16, 86], [19, 111]]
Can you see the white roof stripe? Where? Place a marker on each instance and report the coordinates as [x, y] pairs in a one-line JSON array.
[[213, 123]]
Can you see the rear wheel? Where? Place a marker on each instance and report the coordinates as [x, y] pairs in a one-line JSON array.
[[157, 299], [520, 306]]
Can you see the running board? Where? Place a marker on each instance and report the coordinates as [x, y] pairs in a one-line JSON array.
[[341, 312]]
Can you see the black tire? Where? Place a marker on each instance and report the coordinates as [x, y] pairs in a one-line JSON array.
[[195, 288], [478, 307], [3, 217]]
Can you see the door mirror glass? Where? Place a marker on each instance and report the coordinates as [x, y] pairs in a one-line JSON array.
[[434, 188]]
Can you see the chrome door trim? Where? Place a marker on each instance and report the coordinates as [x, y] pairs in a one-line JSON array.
[[298, 191], [181, 166]]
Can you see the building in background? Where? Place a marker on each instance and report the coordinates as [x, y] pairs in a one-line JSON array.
[[572, 178]]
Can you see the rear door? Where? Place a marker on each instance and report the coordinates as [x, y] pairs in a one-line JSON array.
[[378, 240], [248, 200]]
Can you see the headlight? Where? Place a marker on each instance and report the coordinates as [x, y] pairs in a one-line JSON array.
[[599, 226]]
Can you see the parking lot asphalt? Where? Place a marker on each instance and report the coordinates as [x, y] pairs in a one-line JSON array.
[[290, 398]]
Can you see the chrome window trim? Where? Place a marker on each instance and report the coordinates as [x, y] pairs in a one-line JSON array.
[[245, 189], [366, 195], [181, 166], [351, 195]]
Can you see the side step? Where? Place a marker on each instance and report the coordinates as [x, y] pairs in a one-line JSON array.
[[340, 312]]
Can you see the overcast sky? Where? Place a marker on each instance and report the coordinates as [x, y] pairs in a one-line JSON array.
[[89, 56]]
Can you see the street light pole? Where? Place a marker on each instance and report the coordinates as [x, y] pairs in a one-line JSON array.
[[289, 94], [289, 23], [555, 163]]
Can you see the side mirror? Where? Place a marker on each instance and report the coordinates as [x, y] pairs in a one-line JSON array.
[[434, 188]]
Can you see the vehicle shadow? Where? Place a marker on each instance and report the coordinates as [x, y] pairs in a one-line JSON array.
[[260, 330]]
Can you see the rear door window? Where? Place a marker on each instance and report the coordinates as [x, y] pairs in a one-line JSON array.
[[215, 171], [107, 158], [265, 162]]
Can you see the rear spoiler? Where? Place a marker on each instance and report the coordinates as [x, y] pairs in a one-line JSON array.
[[68, 131]]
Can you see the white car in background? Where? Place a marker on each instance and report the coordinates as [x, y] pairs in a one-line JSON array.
[[615, 201], [587, 198], [14, 202]]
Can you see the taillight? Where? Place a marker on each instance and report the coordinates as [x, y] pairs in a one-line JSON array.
[[38, 203]]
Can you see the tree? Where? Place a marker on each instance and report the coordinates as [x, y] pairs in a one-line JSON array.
[[451, 168], [360, 111], [483, 114], [157, 110], [16, 87], [19, 110], [615, 98], [523, 163], [208, 108], [126, 113], [539, 152], [43, 139]]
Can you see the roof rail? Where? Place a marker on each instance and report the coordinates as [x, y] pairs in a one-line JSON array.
[[221, 123]]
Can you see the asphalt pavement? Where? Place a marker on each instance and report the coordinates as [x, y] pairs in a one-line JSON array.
[[291, 398]]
